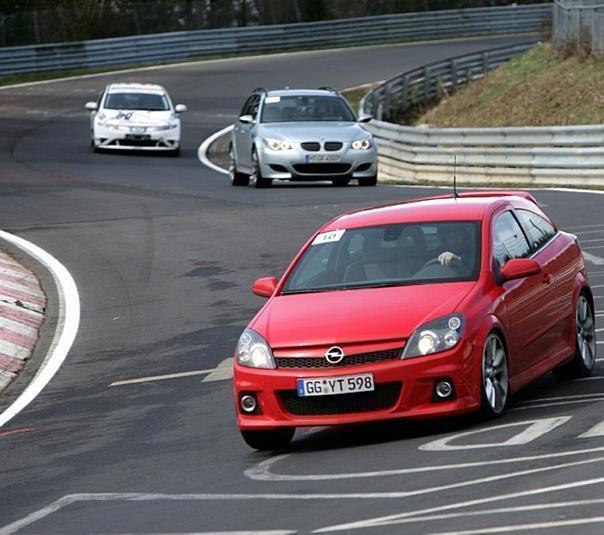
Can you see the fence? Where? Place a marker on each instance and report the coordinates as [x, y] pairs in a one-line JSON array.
[[180, 46], [579, 26], [558, 155]]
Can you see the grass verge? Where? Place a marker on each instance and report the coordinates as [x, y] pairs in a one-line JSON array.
[[539, 88]]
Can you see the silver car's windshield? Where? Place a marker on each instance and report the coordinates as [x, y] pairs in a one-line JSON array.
[[137, 101], [304, 108], [388, 255]]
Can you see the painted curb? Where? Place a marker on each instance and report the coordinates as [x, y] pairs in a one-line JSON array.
[[22, 311], [68, 319]]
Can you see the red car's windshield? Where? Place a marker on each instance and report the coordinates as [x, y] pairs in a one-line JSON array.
[[389, 255]]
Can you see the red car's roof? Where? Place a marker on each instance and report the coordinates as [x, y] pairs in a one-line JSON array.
[[467, 206]]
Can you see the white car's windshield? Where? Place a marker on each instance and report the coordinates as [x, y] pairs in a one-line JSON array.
[[137, 101], [305, 108], [388, 255]]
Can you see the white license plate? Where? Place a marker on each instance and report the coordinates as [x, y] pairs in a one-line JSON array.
[[327, 386], [311, 158]]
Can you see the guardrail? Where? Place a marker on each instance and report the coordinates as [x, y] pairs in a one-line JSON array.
[[180, 46], [556, 155], [579, 26], [431, 82]]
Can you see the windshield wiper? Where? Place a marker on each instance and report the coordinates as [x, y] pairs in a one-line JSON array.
[[344, 287]]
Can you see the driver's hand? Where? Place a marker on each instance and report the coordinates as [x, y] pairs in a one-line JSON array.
[[447, 258]]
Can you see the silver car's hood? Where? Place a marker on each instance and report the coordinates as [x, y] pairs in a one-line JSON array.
[[330, 131]]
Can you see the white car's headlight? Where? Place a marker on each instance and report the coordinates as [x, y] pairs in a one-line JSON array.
[[167, 126], [361, 144], [277, 144], [438, 335], [253, 351]]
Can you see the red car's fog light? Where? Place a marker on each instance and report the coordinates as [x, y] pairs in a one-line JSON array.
[[444, 390], [249, 404]]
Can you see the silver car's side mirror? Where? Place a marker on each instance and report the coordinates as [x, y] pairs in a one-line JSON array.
[[365, 118], [92, 106], [246, 119], [179, 108]]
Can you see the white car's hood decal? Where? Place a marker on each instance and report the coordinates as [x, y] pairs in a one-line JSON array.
[[138, 117]]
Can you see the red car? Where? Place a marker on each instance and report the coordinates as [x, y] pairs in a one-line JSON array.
[[433, 307]]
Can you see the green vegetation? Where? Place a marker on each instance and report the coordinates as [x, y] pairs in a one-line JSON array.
[[539, 88], [354, 96]]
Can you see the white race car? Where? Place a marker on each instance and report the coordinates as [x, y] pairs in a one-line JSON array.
[[135, 117]]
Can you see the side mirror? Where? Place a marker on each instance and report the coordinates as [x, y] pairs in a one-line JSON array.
[[92, 106], [518, 268], [246, 119], [179, 108], [264, 287], [365, 118]]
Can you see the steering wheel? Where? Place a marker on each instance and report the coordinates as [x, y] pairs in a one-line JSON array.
[[432, 262]]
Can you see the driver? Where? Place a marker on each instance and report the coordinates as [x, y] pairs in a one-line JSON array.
[[457, 247]]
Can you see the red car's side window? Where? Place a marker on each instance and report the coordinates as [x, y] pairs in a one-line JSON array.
[[509, 240]]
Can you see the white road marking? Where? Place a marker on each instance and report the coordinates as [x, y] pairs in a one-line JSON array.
[[14, 350], [593, 259], [402, 518], [598, 286], [575, 227], [67, 324], [503, 510], [261, 472], [222, 372], [69, 499], [557, 403], [561, 398], [521, 527], [203, 149], [161, 377], [534, 429], [596, 431]]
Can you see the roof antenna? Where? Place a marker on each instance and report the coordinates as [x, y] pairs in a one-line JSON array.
[[455, 194]]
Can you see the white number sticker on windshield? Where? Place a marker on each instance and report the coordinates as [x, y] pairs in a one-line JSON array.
[[272, 100], [327, 237]]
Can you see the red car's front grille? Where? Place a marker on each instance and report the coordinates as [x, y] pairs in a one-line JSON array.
[[383, 397], [349, 360]]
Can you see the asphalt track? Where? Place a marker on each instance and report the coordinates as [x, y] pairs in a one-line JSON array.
[[163, 252]]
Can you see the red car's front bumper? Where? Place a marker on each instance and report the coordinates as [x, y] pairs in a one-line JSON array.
[[404, 389]]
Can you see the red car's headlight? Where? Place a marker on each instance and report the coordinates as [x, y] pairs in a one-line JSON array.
[[435, 336], [253, 351]]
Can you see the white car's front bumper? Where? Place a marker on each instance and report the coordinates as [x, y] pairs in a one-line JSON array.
[[136, 138]]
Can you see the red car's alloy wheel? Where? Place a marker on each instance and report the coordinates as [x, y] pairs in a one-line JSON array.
[[494, 376]]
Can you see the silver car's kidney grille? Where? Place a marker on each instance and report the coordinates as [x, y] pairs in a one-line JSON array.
[[332, 145], [311, 146]]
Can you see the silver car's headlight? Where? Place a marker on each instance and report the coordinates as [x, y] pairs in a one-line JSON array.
[[253, 351], [361, 144], [438, 335], [114, 126], [277, 144]]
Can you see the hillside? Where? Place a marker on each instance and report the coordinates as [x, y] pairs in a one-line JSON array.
[[539, 88]]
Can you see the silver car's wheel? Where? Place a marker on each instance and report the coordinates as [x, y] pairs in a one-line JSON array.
[[494, 376], [256, 178], [236, 178], [584, 359]]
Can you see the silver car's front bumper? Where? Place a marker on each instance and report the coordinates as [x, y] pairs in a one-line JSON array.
[[299, 164]]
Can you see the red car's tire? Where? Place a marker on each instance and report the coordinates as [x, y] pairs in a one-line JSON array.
[[494, 377], [584, 359]]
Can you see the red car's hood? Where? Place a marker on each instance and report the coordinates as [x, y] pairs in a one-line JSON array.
[[353, 316]]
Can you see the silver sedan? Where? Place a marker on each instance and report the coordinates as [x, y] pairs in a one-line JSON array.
[[301, 135]]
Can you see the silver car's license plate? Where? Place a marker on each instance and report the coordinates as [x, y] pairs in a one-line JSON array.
[[327, 386], [312, 158]]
